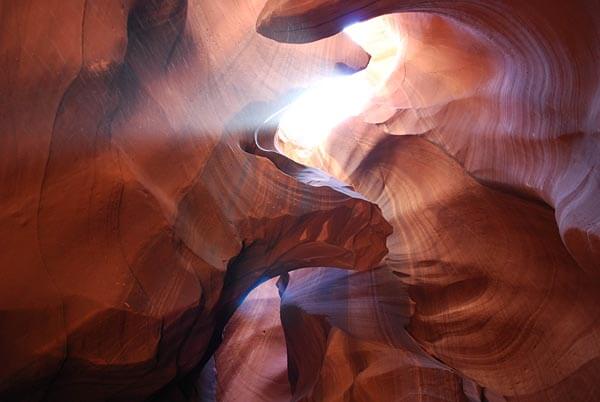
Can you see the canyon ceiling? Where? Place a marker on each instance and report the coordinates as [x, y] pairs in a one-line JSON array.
[[162, 240]]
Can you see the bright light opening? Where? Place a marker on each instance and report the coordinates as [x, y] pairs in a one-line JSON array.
[[307, 122], [317, 111]]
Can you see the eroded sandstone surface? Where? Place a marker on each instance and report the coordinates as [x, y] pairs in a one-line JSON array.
[[160, 243]]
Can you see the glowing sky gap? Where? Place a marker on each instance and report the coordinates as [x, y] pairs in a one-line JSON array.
[[307, 122]]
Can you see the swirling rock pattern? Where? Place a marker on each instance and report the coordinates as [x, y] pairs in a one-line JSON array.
[[479, 97], [487, 271], [138, 209], [529, 122], [133, 219]]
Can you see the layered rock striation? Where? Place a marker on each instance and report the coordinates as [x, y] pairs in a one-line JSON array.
[[444, 243]]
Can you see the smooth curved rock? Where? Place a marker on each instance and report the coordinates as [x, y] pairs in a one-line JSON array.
[[140, 202], [487, 270], [127, 197], [516, 101]]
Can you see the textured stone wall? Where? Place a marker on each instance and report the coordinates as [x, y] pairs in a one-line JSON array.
[[449, 234]]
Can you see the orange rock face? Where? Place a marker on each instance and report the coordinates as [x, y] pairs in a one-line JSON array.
[[161, 244]]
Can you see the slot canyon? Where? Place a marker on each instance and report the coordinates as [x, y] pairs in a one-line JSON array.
[[300, 200]]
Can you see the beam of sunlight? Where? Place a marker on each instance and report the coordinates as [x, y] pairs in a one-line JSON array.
[[307, 122]]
